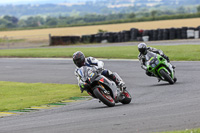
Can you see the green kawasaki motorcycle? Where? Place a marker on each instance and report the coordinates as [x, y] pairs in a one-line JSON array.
[[159, 66]]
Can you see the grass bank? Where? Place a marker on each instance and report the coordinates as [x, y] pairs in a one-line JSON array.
[[185, 131], [176, 53], [15, 95]]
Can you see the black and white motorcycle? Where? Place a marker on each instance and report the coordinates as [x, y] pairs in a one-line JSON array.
[[101, 87]]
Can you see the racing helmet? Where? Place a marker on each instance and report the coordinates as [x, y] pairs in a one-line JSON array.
[[142, 48], [79, 59]]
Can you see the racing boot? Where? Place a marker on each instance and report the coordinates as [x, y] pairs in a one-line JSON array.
[[149, 74], [122, 86], [167, 58], [118, 81]]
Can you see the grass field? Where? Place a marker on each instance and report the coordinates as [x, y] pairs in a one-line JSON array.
[[14, 95], [43, 34], [176, 53]]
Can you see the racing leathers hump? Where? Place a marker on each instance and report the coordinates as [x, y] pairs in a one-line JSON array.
[[91, 61]]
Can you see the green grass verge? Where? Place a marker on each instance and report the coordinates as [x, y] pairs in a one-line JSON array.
[[15, 95], [178, 52], [184, 131]]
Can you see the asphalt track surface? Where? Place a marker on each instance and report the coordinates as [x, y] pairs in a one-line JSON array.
[[151, 43], [155, 106]]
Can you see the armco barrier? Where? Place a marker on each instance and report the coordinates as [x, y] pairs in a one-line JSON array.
[[133, 34]]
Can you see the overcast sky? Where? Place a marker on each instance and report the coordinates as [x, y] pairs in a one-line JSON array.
[[36, 1], [15, 1], [22, 1]]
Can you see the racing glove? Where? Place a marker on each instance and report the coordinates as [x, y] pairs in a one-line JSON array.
[[83, 86]]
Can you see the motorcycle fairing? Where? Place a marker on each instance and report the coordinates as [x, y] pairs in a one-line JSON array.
[[108, 84], [161, 63]]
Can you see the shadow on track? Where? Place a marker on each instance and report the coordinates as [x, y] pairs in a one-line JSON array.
[[162, 84], [166, 84], [116, 106]]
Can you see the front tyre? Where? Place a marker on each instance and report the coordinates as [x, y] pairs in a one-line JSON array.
[[105, 98], [127, 97], [166, 76], [175, 79]]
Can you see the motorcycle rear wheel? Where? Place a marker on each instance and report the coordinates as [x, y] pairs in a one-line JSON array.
[[105, 98], [166, 76]]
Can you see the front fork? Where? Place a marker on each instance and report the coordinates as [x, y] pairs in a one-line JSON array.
[[172, 70]]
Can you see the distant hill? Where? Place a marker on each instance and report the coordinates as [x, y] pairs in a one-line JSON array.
[[23, 8], [24, 2], [106, 2]]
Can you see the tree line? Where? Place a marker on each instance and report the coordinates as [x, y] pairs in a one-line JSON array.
[[8, 22]]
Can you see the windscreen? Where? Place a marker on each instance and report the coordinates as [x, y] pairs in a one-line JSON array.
[[85, 71], [149, 55]]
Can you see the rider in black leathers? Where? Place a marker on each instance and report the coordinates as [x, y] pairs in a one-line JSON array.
[[142, 48]]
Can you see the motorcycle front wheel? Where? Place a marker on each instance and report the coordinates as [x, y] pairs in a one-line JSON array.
[[166, 76], [105, 98]]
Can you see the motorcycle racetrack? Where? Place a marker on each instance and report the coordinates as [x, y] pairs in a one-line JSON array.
[[155, 106]]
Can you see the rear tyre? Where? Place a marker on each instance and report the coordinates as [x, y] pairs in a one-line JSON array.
[[166, 76], [127, 98], [105, 98]]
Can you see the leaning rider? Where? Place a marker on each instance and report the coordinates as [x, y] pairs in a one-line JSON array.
[[80, 60], [142, 47]]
